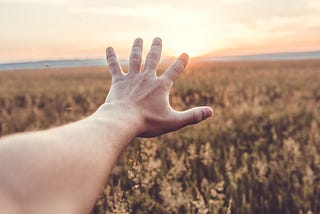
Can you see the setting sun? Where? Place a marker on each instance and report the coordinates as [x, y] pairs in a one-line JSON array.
[[193, 45]]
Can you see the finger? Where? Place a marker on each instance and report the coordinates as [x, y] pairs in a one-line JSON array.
[[177, 67], [136, 55], [194, 115], [113, 63], [154, 55]]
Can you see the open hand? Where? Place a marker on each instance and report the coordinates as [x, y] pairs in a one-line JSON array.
[[147, 95]]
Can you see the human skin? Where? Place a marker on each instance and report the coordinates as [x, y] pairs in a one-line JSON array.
[[63, 169]]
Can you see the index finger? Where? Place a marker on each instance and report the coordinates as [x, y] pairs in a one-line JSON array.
[[177, 67]]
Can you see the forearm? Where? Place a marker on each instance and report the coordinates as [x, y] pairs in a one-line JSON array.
[[62, 170], [66, 166]]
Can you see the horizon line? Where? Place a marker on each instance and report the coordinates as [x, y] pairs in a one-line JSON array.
[[210, 55], [60, 63]]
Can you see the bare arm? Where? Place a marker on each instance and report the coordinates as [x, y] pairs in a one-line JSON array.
[[63, 170]]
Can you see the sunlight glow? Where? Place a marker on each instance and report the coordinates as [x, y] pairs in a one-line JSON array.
[[193, 45], [59, 29]]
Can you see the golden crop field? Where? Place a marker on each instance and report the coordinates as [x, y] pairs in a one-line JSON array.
[[259, 154]]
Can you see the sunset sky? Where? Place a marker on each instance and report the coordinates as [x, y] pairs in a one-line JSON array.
[[68, 29]]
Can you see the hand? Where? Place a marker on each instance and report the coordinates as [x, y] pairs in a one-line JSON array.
[[146, 95]]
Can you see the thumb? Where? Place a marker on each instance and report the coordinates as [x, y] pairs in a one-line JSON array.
[[195, 115]]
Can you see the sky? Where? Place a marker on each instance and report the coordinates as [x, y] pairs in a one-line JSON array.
[[33, 30]]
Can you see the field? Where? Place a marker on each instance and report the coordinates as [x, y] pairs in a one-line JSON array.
[[259, 154]]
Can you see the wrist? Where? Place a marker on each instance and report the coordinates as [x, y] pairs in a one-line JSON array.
[[121, 117]]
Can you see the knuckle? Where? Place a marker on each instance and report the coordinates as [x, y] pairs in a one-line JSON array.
[[135, 61], [151, 64], [165, 84], [113, 63], [136, 49], [153, 54], [111, 59], [155, 51], [135, 55], [166, 81], [110, 55], [178, 66], [196, 118], [158, 85]]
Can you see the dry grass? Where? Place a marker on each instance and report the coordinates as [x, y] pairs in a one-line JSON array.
[[259, 154]]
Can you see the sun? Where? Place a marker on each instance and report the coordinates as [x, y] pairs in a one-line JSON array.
[[193, 48], [186, 31]]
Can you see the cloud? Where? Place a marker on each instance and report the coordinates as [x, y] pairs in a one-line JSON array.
[[161, 14], [156, 19], [313, 5], [37, 1], [206, 25]]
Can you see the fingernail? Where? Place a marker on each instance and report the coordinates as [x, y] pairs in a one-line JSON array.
[[185, 56], [138, 41], [109, 52], [157, 41], [208, 112]]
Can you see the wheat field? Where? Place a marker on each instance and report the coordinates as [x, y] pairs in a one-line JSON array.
[[260, 153]]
